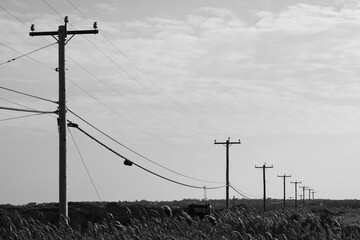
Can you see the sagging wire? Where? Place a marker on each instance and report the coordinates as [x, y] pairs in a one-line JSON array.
[[240, 193], [138, 154], [130, 163]]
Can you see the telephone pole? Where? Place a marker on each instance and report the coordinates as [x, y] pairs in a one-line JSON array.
[[284, 177], [296, 183], [264, 167], [62, 33], [313, 192], [310, 193], [303, 195], [227, 144]]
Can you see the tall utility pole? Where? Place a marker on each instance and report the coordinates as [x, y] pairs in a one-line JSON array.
[[284, 177], [296, 183], [303, 195], [227, 144], [264, 167], [310, 193], [62, 34]]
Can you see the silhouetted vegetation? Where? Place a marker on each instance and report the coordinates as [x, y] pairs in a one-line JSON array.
[[321, 219]]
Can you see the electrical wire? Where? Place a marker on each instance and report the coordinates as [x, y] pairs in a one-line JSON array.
[[26, 110], [143, 109], [29, 95], [135, 164], [99, 100], [25, 116], [82, 159], [242, 193], [129, 121], [8, 12], [138, 154], [134, 65], [18, 104], [105, 105], [26, 54], [239, 192], [137, 68], [134, 78], [153, 83], [48, 4]]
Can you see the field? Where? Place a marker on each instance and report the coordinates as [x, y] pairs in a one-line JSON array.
[[147, 220]]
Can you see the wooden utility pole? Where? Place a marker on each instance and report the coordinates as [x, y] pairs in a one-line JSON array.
[[303, 195], [310, 193], [284, 177], [296, 183], [227, 144], [62, 33], [264, 167], [313, 192]]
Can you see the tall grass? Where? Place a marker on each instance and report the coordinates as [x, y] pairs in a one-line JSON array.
[[238, 223]]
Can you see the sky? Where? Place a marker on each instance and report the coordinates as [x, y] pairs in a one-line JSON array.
[[168, 78]]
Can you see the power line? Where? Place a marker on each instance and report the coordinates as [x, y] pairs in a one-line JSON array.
[[129, 121], [26, 54], [105, 104], [26, 110], [129, 162], [143, 109], [29, 95], [246, 194], [77, 9], [8, 12], [25, 116], [48, 4], [236, 190], [135, 152], [134, 78], [87, 170], [18, 104], [151, 81], [97, 99], [137, 68]]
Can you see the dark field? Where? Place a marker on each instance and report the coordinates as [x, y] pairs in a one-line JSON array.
[[319, 219]]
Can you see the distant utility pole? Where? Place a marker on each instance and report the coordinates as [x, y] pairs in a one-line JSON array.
[[303, 195], [264, 167], [62, 34], [205, 197], [284, 177], [313, 192], [310, 193], [296, 183], [227, 144]]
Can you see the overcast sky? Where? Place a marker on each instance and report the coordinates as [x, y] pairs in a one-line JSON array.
[[167, 78]]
